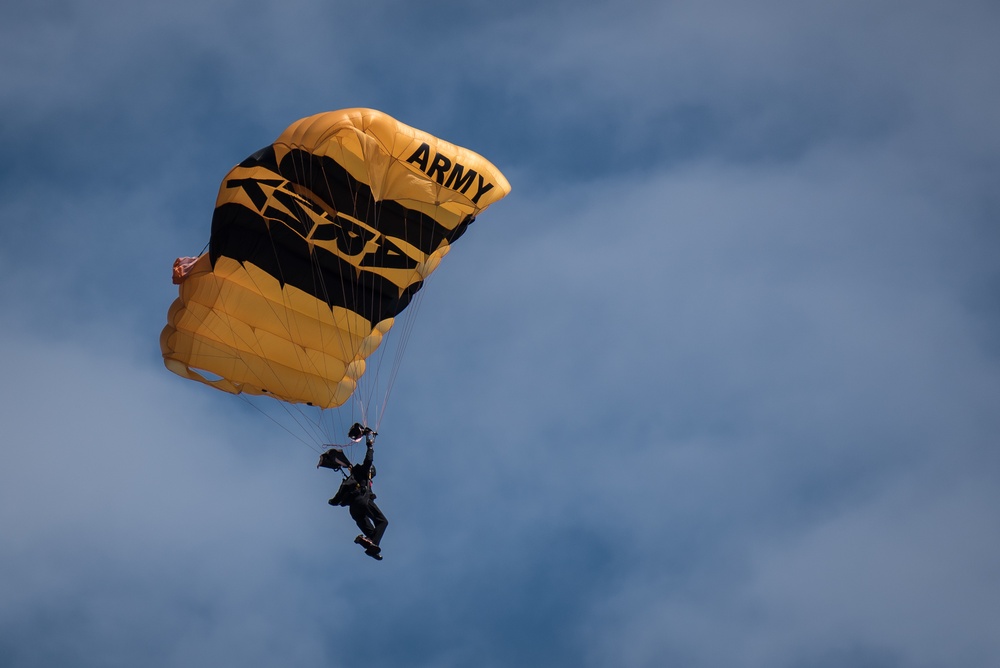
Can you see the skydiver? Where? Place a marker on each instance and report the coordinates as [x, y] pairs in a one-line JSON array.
[[356, 493]]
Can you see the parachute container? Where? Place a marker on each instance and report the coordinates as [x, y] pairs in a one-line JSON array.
[[335, 459]]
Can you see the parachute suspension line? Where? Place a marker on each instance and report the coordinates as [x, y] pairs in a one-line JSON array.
[[270, 417], [400, 332], [303, 168], [343, 241], [405, 330], [303, 173], [330, 422], [363, 395], [379, 383], [403, 339], [368, 384], [306, 423]]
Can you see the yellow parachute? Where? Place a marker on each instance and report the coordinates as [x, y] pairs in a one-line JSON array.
[[319, 241]]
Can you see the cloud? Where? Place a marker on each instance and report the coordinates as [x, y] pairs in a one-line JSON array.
[[804, 356], [713, 386]]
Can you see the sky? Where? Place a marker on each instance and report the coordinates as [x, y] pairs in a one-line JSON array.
[[716, 385]]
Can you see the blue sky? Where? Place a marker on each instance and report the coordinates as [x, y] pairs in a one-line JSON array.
[[716, 385]]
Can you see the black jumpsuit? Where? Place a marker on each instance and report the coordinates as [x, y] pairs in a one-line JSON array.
[[356, 493]]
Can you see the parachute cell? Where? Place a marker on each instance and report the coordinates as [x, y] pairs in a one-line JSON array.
[[319, 241]]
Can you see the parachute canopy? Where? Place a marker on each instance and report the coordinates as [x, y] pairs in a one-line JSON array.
[[318, 242]]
